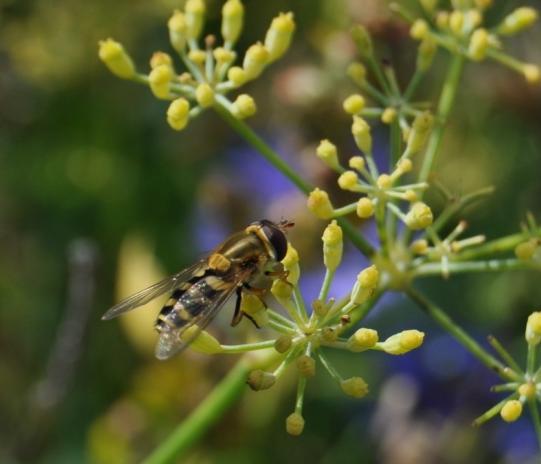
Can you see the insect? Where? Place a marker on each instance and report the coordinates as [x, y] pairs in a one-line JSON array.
[[198, 292]]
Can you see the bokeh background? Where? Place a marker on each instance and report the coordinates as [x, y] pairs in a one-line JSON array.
[[98, 196]]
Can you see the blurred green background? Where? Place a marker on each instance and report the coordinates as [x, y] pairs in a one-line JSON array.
[[95, 188]]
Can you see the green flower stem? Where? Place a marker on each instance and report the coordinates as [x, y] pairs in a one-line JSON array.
[[450, 326], [445, 105], [531, 359], [327, 281], [272, 157], [506, 60], [492, 411], [534, 411], [504, 354], [491, 265], [413, 84], [375, 93], [233, 349], [299, 303], [458, 205], [329, 367], [500, 245], [206, 414], [281, 319]]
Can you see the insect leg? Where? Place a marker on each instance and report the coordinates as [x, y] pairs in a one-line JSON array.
[[237, 315]]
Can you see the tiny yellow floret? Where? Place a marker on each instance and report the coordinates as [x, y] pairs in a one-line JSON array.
[[232, 20], [291, 264], [159, 58], [419, 29], [195, 13], [357, 72], [533, 328], [244, 106], [357, 162], [384, 181], [526, 250], [255, 60], [456, 22], [223, 55], [332, 245], [237, 76], [319, 204], [204, 94], [177, 31], [306, 365], [425, 54], [363, 339], [327, 152], [197, 56], [389, 115], [419, 247], [294, 424], [159, 80], [348, 180], [260, 380], [479, 43], [527, 390], [354, 104], [279, 34], [532, 73], [114, 56], [511, 411], [422, 124], [283, 343], [402, 342], [361, 133], [518, 20], [178, 113], [355, 387], [365, 208], [419, 216]]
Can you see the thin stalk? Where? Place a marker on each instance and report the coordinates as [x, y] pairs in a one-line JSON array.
[[531, 359], [534, 411], [327, 281], [450, 326], [203, 417], [500, 245], [445, 105], [272, 157], [413, 84], [242, 348], [504, 354], [491, 265], [492, 411]]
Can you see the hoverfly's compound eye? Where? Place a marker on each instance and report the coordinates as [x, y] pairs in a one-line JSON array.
[[276, 238]]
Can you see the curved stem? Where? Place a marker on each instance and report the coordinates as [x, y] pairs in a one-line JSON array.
[[450, 326], [272, 157]]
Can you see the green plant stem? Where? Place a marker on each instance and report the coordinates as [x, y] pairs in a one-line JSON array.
[[445, 105], [499, 245], [491, 265], [207, 413], [450, 326], [272, 157], [534, 411]]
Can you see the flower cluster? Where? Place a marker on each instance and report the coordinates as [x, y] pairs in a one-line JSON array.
[[463, 30], [524, 385], [210, 71], [303, 336]]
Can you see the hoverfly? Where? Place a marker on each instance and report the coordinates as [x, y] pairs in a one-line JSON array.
[[198, 292]]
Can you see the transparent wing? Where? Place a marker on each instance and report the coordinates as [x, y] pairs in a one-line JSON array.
[[173, 341], [154, 291]]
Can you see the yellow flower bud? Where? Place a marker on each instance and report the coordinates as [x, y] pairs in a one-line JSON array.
[[357, 162], [260, 380], [429, 5], [353, 104], [518, 20], [319, 204], [419, 216], [366, 283], [422, 125], [365, 208], [232, 20], [348, 180], [357, 72], [223, 56], [283, 343], [279, 34], [362, 340], [355, 386], [527, 390], [533, 328], [281, 290], [237, 76], [411, 196], [526, 250], [114, 56], [195, 14], [384, 181], [483, 4], [403, 166], [425, 55], [419, 247], [329, 334], [361, 133], [419, 29], [388, 115], [159, 58], [159, 80], [244, 106], [178, 113], [204, 94], [197, 56], [326, 151], [332, 246], [478, 45], [442, 20], [177, 31], [402, 342], [362, 40], [511, 411], [531, 73], [291, 264], [456, 22], [203, 343], [255, 60], [306, 366], [294, 424]]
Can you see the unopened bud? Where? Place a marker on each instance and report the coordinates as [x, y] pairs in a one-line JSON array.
[[402, 342], [511, 411], [478, 45], [357, 72], [425, 54], [533, 328], [362, 340], [177, 31], [255, 60], [419, 216], [195, 14], [178, 113], [159, 80], [232, 20], [319, 204], [422, 124], [237, 76], [332, 246], [365, 208], [294, 424], [353, 104], [389, 115], [361, 133], [355, 386], [518, 20], [306, 366], [326, 151], [283, 343], [279, 34], [114, 56], [419, 29], [348, 180], [526, 250], [260, 380], [204, 94], [244, 106]]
